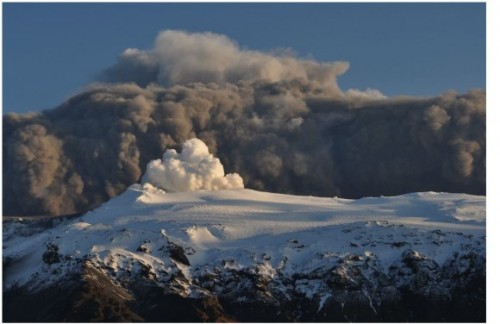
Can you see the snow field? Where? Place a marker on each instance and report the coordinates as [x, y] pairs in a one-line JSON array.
[[242, 228]]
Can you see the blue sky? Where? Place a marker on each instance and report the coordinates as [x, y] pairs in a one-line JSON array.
[[52, 51]]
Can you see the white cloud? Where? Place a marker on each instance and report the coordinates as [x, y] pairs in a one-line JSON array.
[[192, 169]]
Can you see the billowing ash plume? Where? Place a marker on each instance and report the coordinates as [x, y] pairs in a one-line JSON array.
[[191, 170], [280, 122], [181, 58]]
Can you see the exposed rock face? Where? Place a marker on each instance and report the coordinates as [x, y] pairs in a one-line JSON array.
[[355, 288], [250, 256]]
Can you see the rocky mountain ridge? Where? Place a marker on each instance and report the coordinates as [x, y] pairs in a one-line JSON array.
[[243, 255]]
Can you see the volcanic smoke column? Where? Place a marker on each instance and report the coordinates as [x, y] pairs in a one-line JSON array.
[[279, 121], [193, 169]]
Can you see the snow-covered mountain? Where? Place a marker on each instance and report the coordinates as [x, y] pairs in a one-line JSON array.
[[244, 255]]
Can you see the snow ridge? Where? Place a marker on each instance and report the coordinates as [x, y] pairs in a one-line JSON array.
[[243, 243]]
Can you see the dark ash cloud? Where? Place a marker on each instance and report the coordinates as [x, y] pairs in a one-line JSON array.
[[282, 123]]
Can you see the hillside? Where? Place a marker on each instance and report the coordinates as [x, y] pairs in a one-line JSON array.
[[245, 255]]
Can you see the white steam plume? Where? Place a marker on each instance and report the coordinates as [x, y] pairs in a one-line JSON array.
[[193, 169]]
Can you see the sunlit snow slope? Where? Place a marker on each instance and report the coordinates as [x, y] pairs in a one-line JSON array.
[[237, 229]]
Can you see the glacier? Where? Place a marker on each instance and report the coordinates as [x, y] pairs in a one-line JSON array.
[[245, 255]]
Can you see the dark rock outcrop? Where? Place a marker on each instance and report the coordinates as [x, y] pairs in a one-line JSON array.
[[415, 288]]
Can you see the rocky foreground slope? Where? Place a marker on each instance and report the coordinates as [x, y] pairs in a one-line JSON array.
[[243, 255]]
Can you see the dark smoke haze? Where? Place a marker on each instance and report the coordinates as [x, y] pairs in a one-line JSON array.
[[282, 123]]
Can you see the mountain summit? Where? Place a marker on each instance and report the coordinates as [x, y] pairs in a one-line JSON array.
[[245, 255]]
